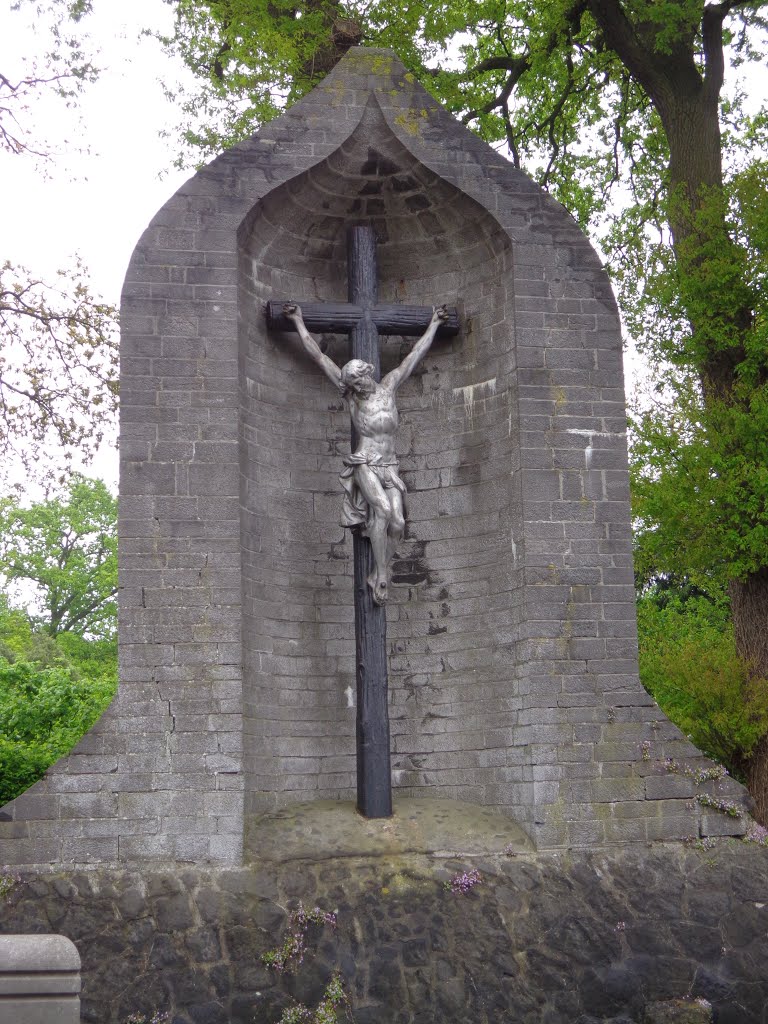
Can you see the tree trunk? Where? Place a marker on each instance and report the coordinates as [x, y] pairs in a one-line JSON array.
[[757, 781], [749, 607]]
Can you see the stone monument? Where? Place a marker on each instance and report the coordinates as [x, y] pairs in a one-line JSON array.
[[511, 644]]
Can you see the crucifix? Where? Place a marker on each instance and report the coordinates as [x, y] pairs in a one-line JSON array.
[[373, 490]]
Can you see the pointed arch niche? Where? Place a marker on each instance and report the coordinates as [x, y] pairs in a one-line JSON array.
[[455, 602]]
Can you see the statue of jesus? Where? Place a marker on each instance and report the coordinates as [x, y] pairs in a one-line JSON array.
[[373, 498]]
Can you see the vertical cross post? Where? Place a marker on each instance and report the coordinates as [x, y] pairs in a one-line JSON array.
[[374, 777]]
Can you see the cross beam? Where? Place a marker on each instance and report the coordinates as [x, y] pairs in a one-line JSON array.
[[364, 319], [342, 317]]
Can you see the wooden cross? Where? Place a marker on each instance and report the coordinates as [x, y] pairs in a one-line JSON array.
[[364, 319]]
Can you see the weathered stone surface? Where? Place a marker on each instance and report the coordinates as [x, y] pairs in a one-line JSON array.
[[633, 937]]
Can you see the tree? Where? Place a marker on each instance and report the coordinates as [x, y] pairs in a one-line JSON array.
[[48, 697], [592, 97], [58, 349], [63, 554], [58, 367]]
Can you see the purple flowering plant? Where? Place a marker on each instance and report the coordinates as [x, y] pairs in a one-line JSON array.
[[464, 881], [291, 953]]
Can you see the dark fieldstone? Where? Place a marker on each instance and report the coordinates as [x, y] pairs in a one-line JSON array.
[[409, 957], [451, 996], [138, 933], [131, 903], [297, 882], [64, 888], [583, 941], [368, 1014], [268, 916], [734, 1013], [164, 953], [37, 886], [245, 944], [386, 984], [609, 990], [252, 976], [746, 924], [164, 885], [254, 881], [648, 936], [174, 913], [697, 940], [662, 977], [503, 961], [209, 1013], [203, 945], [678, 1011], [415, 953], [189, 986], [713, 986], [221, 980]]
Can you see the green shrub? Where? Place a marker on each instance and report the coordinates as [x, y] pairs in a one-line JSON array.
[[44, 711], [689, 665]]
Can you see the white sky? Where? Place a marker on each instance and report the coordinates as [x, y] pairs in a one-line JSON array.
[[94, 203]]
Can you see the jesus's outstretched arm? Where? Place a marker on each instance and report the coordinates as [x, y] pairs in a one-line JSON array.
[[395, 377], [292, 312]]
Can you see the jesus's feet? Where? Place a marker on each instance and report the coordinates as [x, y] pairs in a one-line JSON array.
[[379, 589]]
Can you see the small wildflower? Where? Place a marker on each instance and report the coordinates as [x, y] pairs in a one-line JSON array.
[[726, 806], [463, 881], [292, 951], [509, 850], [334, 997], [620, 926], [756, 834], [707, 843]]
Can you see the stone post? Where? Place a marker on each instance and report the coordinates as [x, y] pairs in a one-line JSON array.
[[39, 980]]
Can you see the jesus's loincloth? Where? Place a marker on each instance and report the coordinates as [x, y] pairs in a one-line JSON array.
[[356, 510]]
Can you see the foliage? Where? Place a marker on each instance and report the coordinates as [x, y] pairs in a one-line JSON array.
[[689, 664], [699, 467], [66, 549], [51, 693], [289, 957], [332, 1000], [43, 713], [58, 367], [9, 883], [291, 954]]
